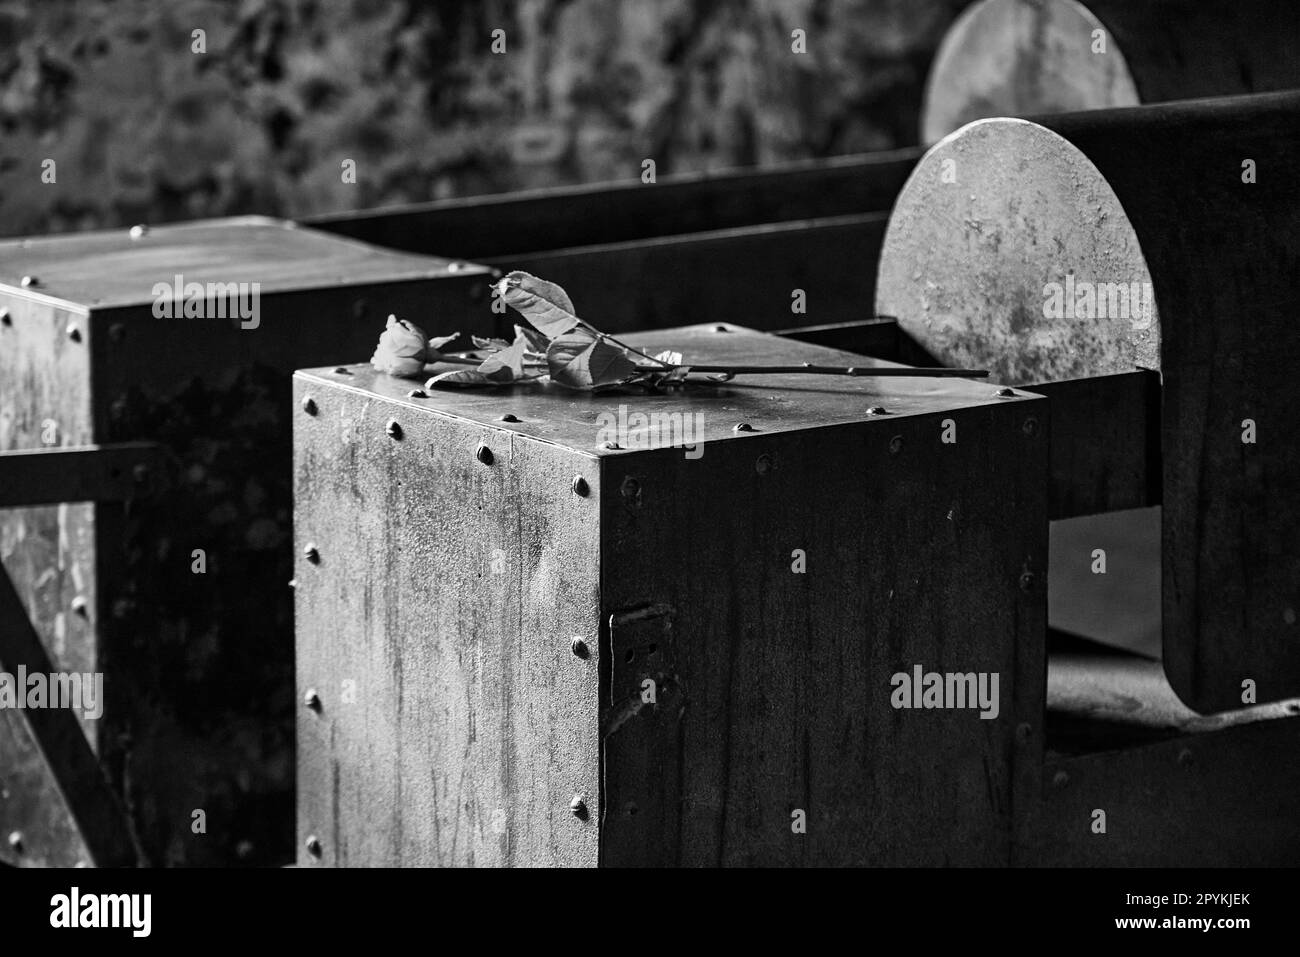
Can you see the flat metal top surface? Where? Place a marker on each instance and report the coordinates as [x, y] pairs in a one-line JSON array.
[[767, 403], [111, 268]]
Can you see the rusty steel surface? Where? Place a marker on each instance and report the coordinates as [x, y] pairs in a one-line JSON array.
[[522, 223], [198, 663], [92, 473], [112, 268], [773, 686], [438, 596], [1028, 57], [1216, 240]]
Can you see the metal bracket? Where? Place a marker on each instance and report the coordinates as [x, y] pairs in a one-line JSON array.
[[87, 473]]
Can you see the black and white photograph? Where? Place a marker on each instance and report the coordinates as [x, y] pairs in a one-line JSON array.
[[743, 435]]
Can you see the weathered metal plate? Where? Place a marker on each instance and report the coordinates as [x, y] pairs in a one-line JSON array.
[[1222, 798], [514, 224], [198, 664], [456, 725], [774, 687], [105, 269], [748, 275], [767, 403]]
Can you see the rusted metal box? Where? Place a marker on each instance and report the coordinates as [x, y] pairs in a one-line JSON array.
[[183, 600], [534, 627]]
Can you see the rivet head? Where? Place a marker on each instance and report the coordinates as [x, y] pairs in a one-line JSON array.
[[79, 606], [313, 845], [74, 333], [631, 490], [1023, 731], [393, 428], [895, 445], [1060, 779], [5, 318], [312, 700], [16, 840], [417, 394], [1030, 428], [341, 370], [579, 807], [877, 410], [743, 427], [763, 464], [116, 332], [613, 446], [140, 473], [579, 648], [1185, 757], [483, 454], [721, 329], [312, 554], [139, 231], [1027, 581], [1005, 393], [509, 417], [309, 405], [28, 282], [455, 266], [580, 486]]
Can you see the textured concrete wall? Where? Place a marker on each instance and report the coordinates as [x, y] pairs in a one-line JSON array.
[[142, 128]]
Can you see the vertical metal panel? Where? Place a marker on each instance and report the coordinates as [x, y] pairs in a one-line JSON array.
[[917, 553], [48, 552], [449, 591]]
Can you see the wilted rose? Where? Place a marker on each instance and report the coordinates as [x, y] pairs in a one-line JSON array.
[[403, 349]]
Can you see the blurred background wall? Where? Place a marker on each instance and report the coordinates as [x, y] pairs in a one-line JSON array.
[[142, 128]]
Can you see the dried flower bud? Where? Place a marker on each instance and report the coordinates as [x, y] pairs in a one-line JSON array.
[[403, 349]]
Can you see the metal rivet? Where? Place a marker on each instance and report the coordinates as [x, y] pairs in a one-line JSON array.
[[1027, 581], [116, 332], [1185, 757], [1023, 731], [341, 370], [763, 464], [579, 807], [393, 429], [312, 700], [1030, 427], [79, 606], [631, 489], [609, 445], [579, 648], [313, 845], [309, 405], [509, 417], [140, 473], [455, 266], [720, 329], [1005, 393], [1293, 707], [895, 445], [5, 318], [16, 840], [1288, 616], [293, 583], [139, 232], [743, 427], [483, 454], [74, 333], [28, 281], [877, 410], [359, 310], [417, 394], [312, 554], [1060, 779], [580, 486]]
